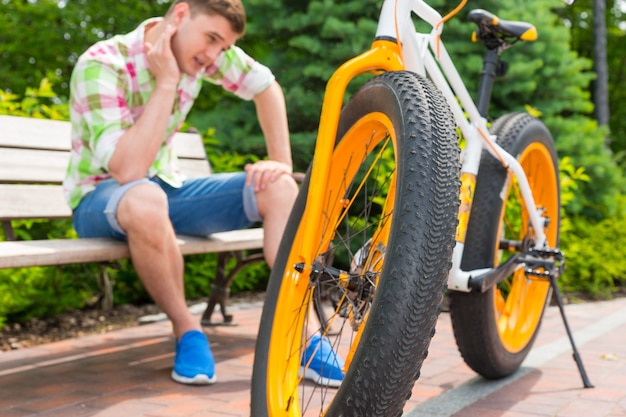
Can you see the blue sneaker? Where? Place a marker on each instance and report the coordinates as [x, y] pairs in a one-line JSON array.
[[194, 363], [321, 364]]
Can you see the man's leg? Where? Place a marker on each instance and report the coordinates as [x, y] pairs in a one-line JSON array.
[[275, 203], [143, 214], [138, 212]]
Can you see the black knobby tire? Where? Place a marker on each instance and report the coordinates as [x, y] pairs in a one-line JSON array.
[[408, 289], [477, 318]]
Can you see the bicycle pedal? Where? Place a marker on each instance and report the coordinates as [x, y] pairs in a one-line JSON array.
[[543, 263]]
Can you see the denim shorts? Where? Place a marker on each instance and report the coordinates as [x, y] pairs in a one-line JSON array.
[[217, 203]]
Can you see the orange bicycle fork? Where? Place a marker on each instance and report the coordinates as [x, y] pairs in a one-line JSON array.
[[384, 55]]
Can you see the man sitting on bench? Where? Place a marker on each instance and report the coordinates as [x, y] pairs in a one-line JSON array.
[[129, 95]]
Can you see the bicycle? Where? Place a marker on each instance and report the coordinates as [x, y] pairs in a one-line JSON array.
[[382, 223]]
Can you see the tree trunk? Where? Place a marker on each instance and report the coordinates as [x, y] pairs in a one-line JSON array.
[[601, 85]]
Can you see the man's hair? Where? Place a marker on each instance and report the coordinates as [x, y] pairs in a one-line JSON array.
[[232, 10]]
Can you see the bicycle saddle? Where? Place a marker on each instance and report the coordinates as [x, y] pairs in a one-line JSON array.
[[490, 28]]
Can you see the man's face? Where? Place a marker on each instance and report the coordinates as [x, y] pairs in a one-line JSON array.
[[199, 40]]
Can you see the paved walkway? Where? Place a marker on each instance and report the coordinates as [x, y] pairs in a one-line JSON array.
[[126, 373]]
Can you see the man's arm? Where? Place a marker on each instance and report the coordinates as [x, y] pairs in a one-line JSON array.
[[136, 150], [272, 115]]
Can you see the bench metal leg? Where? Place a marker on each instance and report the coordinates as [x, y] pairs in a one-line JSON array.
[[105, 285], [220, 290], [9, 234]]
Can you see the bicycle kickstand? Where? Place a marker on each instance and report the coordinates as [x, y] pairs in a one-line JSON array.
[[576, 355]]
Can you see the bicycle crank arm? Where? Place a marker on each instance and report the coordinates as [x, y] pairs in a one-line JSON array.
[[539, 263], [485, 281]]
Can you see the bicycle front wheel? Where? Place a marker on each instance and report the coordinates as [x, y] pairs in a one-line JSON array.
[[496, 329], [382, 250]]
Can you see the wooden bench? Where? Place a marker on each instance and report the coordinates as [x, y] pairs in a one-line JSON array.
[[33, 159]]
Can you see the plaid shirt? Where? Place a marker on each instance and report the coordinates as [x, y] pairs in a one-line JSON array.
[[110, 86]]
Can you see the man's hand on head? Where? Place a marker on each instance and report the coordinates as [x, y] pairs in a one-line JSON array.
[[261, 173], [163, 65]]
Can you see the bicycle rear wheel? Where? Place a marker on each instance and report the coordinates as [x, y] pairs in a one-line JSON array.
[[382, 249], [496, 329]]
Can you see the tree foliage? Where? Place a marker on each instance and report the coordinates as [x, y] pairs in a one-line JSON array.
[[579, 17], [43, 38]]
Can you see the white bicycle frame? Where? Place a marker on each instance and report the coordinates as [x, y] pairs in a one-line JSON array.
[[425, 54]]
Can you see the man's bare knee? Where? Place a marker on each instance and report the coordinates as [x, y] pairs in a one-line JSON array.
[[279, 194], [142, 206]]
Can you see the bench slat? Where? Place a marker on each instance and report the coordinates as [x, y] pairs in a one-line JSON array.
[[193, 168], [56, 135], [32, 202], [27, 201], [22, 132], [35, 166], [69, 251], [21, 165], [189, 146]]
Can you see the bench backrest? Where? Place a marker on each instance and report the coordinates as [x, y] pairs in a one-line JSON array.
[[34, 154]]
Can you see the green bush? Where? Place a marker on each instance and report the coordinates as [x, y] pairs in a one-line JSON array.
[[593, 265], [39, 103], [594, 262], [44, 291]]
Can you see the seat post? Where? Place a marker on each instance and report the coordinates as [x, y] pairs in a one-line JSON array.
[[487, 78]]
